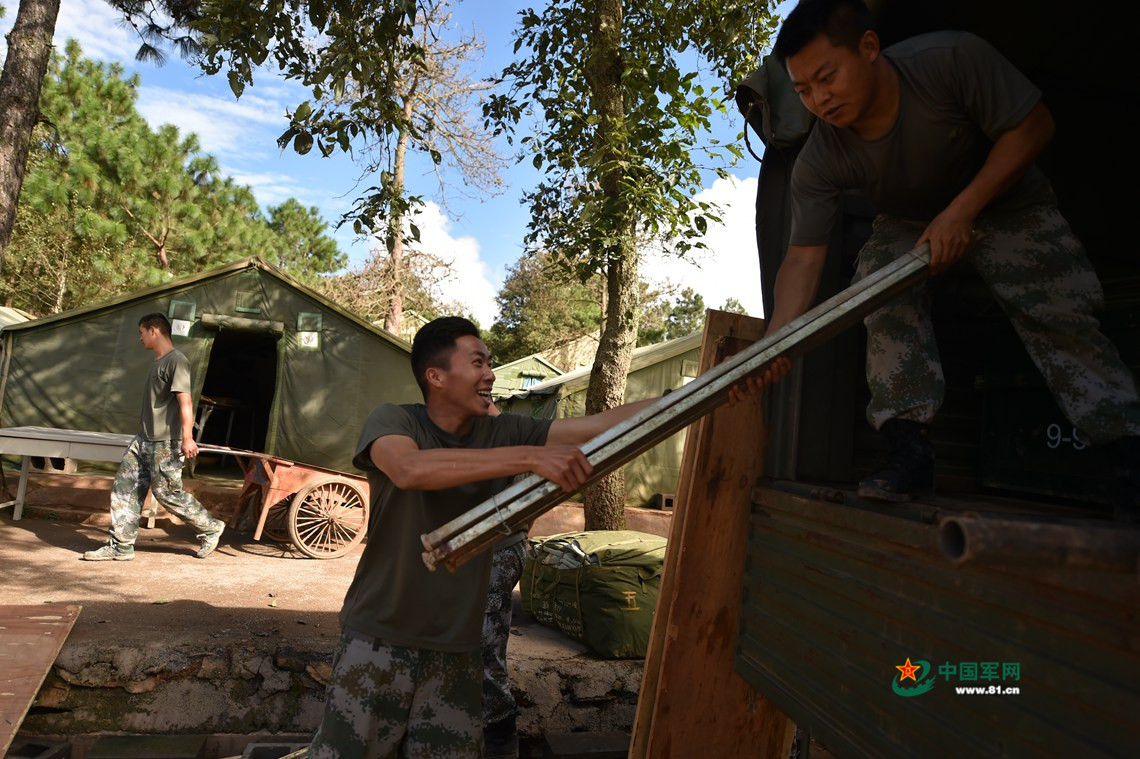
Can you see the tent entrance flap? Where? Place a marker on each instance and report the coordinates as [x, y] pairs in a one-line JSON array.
[[225, 321], [237, 393]]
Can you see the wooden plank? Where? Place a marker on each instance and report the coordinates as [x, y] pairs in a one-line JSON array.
[[647, 694], [692, 702], [837, 597], [30, 640]]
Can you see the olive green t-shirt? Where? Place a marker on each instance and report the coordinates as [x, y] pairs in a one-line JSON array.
[[393, 596], [957, 95], [161, 417]]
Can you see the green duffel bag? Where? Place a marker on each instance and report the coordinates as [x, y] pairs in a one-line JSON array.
[[597, 587]]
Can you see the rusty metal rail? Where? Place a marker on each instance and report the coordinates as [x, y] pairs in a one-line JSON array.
[[977, 539], [481, 527]]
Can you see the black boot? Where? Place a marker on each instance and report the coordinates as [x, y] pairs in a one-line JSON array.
[[501, 739], [1126, 504], [910, 467]]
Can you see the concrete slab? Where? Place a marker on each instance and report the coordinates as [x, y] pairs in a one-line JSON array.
[[148, 747], [270, 750], [586, 746], [24, 747]]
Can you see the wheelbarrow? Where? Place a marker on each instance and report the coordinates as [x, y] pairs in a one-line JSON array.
[[323, 512]]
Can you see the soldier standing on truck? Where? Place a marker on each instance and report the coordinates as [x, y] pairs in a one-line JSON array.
[[941, 132]]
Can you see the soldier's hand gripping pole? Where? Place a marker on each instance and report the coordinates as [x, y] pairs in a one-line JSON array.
[[483, 526]]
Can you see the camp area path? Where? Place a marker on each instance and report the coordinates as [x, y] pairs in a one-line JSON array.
[[241, 642], [244, 588], [168, 642]]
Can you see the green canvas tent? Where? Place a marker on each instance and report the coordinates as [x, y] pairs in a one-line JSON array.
[[277, 367], [522, 374], [653, 370]]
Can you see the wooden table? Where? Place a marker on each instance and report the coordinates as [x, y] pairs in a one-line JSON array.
[[53, 443]]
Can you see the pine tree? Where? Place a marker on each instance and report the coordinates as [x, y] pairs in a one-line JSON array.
[[111, 205], [302, 248]]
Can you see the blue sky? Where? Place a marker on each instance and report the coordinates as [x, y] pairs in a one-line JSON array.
[[480, 236]]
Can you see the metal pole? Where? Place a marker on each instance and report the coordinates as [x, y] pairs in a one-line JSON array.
[[974, 539], [478, 529]]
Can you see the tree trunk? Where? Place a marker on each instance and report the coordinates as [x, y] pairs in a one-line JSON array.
[[29, 51], [605, 499], [395, 314], [60, 291]]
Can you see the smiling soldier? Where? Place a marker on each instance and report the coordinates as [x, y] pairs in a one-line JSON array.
[[408, 677]]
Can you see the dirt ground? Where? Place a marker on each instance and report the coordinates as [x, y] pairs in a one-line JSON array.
[[246, 587], [243, 588]]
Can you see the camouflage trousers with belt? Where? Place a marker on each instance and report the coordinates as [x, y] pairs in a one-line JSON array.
[[506, 569], [399, 701], [155, 466], [1039, 273]]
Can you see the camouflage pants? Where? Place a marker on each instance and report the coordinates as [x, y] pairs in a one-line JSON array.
[[1040, 275], [397, 701], [506, 569], [155, 466]]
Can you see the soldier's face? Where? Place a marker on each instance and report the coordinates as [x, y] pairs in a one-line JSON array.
[[835, 81], [467, 382], [147, 336]]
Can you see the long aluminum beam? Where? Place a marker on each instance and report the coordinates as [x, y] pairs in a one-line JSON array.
[[483, 526]]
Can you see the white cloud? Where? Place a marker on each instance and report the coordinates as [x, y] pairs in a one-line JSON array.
[[469, 283], [251, 108], [92, 23], [273, 188], [730, 268], [97, 27], [224, 126]]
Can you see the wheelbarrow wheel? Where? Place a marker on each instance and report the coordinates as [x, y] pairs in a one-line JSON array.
[[277, 521], [328, 518]]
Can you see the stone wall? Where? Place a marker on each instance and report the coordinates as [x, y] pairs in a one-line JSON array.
[[259, 687], [202, 687]]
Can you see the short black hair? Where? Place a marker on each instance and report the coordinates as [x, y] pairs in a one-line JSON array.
[[843, 21], [435, 342], [157, 319]]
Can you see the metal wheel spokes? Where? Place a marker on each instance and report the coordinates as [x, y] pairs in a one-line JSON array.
[[277, 521], [328, 518]]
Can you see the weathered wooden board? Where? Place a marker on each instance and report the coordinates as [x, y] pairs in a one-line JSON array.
[[691, 702], [840, 593], [30, 639]]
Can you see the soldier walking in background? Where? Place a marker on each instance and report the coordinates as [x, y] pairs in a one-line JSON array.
[[153, 460]]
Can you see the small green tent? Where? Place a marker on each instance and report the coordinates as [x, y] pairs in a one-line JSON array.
[[277, 367], [522, 374], [653, 370]]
